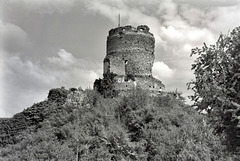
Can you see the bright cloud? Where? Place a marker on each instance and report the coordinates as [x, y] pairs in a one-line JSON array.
[[226, 19], [179, 36], [64, 59], [162, 71]]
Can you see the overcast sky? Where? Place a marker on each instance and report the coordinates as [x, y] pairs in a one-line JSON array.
[[46, 44]]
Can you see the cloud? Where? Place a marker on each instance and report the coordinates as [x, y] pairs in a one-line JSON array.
[[173, 78], [177, 36], [24, 83], [226, 19], [197, 17], [168, 19], [71, 72], [64, 59], [13, 38], [206, 3], [132, 12], [12, 42], [29, 74], [2, 65], [43, 6], [105, 9], [28, 81], [162, 71]]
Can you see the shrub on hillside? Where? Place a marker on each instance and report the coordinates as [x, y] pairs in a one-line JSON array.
[[137, 127]]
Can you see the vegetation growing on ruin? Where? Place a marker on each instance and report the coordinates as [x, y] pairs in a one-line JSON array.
[[105, 86]]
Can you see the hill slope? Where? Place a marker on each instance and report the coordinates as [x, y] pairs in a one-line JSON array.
[[32, 116], [138, 127]]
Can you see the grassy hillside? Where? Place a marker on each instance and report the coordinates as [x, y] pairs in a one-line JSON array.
[[86, 126]]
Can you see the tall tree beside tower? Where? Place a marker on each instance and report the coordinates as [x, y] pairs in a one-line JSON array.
[[217, 85]]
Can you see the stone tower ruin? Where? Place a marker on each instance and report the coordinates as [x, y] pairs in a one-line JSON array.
[[130, 57]]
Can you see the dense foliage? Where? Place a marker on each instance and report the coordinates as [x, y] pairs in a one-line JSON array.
[[217, 86], [105, 86], [136, 127]]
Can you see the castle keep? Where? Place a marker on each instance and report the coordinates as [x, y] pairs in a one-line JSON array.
[[130, 57]]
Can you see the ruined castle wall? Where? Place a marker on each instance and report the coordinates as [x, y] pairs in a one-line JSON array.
[[106, 66], [139, 63], [130, 41], [130, 53], [145, 82], [117, 64], [135, 63], [150, 83], [123, 83], [130, 50]]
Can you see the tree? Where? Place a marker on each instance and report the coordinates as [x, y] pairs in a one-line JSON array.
[[105, 86], [217, 85]]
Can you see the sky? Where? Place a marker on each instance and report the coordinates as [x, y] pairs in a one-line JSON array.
[[46, 44]]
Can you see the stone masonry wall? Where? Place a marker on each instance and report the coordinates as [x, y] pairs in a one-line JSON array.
[[145, 82], [130, 51], [130, 40], [131, 62]]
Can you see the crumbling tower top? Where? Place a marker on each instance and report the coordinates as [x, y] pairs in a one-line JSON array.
[[130, 38]]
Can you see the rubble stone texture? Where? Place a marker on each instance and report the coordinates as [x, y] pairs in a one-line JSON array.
[[130, 52]]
